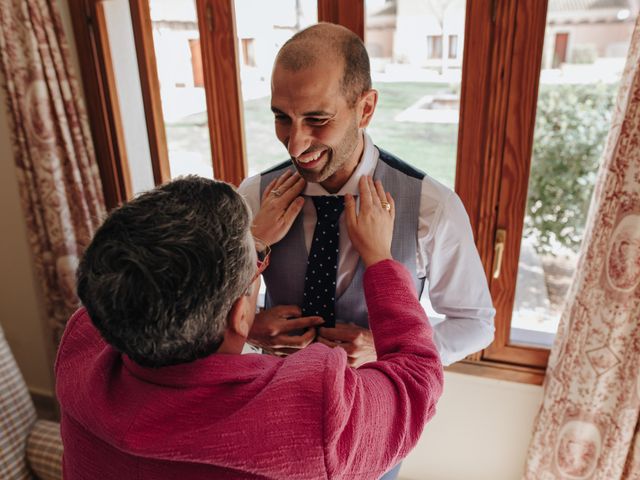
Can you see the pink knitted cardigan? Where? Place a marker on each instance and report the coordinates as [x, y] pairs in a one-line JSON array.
[[308, 416]]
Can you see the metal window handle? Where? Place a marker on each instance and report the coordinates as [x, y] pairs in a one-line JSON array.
[[498, 251]]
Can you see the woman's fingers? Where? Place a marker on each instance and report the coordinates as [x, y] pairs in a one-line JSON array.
[[365, 194], [292, 188], [282, 178], [350, 210], [374, 194], [371, 229], [380, 191], [290, 180], [284, 189], [267, 190], [281, 204], [276, 183], [292, 211], [392, 203]]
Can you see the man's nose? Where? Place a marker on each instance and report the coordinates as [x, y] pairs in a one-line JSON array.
[[299, 142]]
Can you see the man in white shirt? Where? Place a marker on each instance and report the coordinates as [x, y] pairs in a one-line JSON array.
[[322, 101]]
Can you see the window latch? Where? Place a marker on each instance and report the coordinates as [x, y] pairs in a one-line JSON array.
[[498, 251]]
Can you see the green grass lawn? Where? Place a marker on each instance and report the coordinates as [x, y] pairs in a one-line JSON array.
[[429, 147]]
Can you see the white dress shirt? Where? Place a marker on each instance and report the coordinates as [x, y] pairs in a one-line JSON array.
[[456, 297]]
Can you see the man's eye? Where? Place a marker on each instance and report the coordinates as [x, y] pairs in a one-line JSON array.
[[281, 118], [317, 121]]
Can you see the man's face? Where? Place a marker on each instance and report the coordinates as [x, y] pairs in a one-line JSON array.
[[314, 121]]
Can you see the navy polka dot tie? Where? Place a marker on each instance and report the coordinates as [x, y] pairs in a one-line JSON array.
[[322, 266]]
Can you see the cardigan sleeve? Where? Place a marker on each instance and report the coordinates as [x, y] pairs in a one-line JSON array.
[[375, 415]]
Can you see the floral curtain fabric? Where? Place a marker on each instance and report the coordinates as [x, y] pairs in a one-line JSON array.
[[57, 174], [587, 427]]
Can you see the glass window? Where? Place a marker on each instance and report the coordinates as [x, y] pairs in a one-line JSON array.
[[177, 47], [418, 106], [453, 46], [262, 28], [127, 78], [584, 54], [248, 52], [434, 46]]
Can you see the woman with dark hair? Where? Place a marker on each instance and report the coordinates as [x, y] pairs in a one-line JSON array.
[[150, 376]]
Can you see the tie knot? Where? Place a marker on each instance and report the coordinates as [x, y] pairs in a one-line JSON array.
[[329, 207]]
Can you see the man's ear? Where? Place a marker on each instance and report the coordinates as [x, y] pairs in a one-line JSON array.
[[367, 105], [238, 318]]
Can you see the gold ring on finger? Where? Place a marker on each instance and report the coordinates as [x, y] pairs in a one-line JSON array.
[[386, 206], [276, 192]]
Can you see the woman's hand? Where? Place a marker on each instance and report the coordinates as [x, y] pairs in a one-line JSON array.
[[371, 230], [280, 206]]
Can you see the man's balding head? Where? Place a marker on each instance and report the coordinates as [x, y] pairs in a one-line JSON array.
[[329, 41]]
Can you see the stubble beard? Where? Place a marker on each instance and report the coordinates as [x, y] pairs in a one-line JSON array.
[[337, 157]]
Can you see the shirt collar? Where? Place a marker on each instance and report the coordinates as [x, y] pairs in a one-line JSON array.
[[366, 166]]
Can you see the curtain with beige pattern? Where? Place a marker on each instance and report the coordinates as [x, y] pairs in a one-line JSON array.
[[587, 427], [57, 174]]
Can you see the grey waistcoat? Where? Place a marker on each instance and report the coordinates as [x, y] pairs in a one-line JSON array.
[[284, 278]]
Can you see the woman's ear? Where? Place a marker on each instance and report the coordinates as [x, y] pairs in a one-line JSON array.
[[367, 105], [240, 317]]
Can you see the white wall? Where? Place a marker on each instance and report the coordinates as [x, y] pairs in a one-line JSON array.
[[22, 313], [20, 310], [481, 431]]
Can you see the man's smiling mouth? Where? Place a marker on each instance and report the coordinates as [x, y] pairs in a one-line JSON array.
[[311, 159]]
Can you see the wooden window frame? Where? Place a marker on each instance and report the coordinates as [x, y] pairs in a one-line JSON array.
[[501, 96], [94, 55], [216, 22], [349, 14], [150, 86], [503, 45]]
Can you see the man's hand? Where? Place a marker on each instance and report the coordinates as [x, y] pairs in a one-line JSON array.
[[272, 326], [355, 340]]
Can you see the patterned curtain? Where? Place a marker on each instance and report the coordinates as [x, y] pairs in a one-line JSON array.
[[57, 174], [587, 427]]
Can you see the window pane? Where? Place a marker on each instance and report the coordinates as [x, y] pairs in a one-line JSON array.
[[584, 54], [177, 46], [410, 44], [453, 46], [127, 78], [262, 28]]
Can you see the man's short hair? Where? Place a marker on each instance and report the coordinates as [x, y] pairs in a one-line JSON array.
[[315, 42], [162, 272]]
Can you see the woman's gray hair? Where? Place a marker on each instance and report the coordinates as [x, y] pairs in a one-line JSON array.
[[162, 272]]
